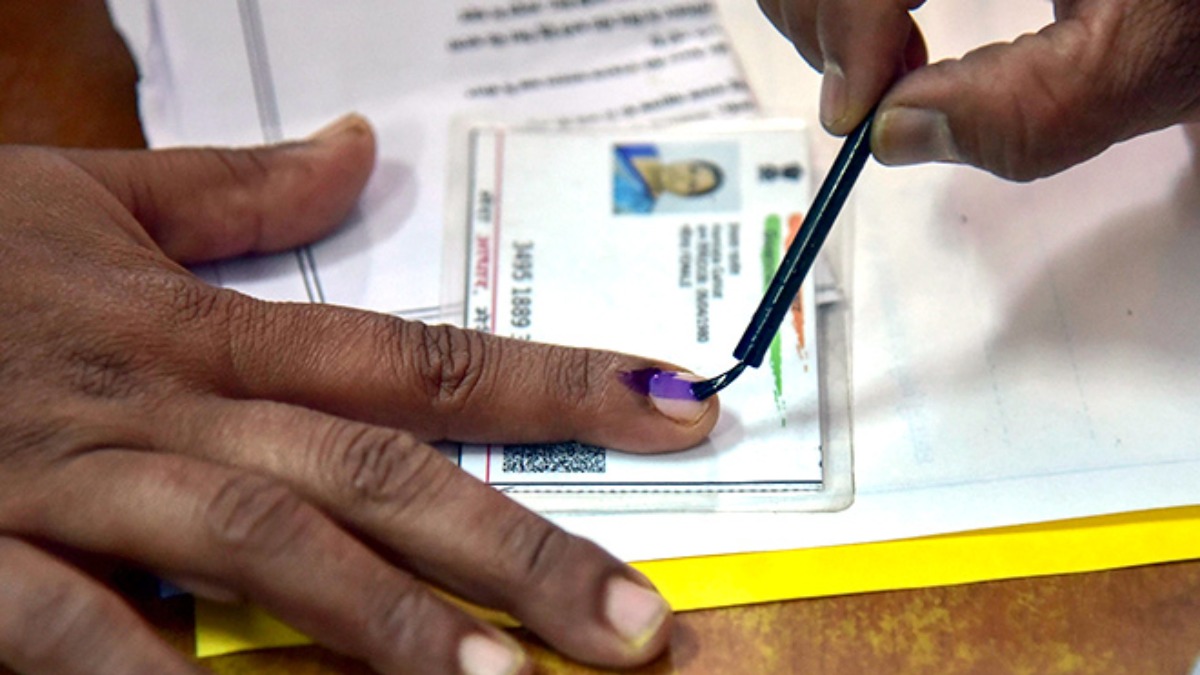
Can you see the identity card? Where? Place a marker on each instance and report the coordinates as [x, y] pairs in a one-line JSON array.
[[657, 242]]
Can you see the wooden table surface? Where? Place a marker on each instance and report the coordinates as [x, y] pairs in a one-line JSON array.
[[66, 79]]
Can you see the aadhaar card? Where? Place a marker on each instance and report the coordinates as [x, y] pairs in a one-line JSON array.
[[658, 243]]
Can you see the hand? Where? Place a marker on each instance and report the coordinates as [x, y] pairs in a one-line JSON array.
[[1103, 72], [253, 450]]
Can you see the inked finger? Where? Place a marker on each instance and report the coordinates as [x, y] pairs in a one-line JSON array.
[[241, 531], [441, 382], [56, 619], [446, 525], [203, 204]]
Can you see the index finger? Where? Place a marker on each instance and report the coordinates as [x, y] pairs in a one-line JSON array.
[[441, 382], [866, 45]]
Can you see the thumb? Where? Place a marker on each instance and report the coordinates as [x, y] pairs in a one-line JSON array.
[[1106, 71], [201, 204]]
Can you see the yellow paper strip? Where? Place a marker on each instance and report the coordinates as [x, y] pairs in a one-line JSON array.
[[1062, 547]]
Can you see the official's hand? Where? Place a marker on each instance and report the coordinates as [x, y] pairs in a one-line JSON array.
[[1102, 72], [276, 452]]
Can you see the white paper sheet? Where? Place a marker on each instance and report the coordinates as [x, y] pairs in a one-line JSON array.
[[1021, 352], [253, 71]]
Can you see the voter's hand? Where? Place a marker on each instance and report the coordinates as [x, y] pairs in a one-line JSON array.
[[277, 453]]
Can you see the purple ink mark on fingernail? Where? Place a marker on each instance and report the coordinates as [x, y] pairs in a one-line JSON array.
[[670, 385], [659, 384]]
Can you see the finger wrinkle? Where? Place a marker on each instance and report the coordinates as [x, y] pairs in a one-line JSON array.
[[103, 167], [1029, 114], [57, 620], [54, 439], [392, 616], [530, 553], [1050, 115], [245, 167], [368, 463], [249, 332], [578, 378], [48, 622], [382, 467], [254, 515], [449, 363], [248, 172], [403, 619], [427, 486]]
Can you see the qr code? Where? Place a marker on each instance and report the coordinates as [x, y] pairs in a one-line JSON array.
[[572, 457]]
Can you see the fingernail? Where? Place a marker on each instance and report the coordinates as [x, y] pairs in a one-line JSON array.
[[913, 135], [634, 611], [350, 122], [479, 654], [669, 392], [833, 97]]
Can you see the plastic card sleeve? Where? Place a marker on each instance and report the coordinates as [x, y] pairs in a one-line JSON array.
[[658, 241]]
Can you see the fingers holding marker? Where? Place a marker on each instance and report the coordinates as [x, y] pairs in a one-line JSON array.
[[446, 526], [1102, 73], [1105, 71], [237, 530], [860, 46], [1021, 110]]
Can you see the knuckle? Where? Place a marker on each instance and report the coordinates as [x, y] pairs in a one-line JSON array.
[[132, 355], [29, 439], [1045, 107], [256, 515], [103, 369], [248, 170], [196, 303], [36, 435], [246, 330], [243, 315], [449, 362], [1037, 148], [246, 166], [531, 551], [380, 466], [52, 622], [395, 615]]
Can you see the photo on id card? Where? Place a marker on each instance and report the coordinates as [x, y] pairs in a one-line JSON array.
[[658, 242]]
